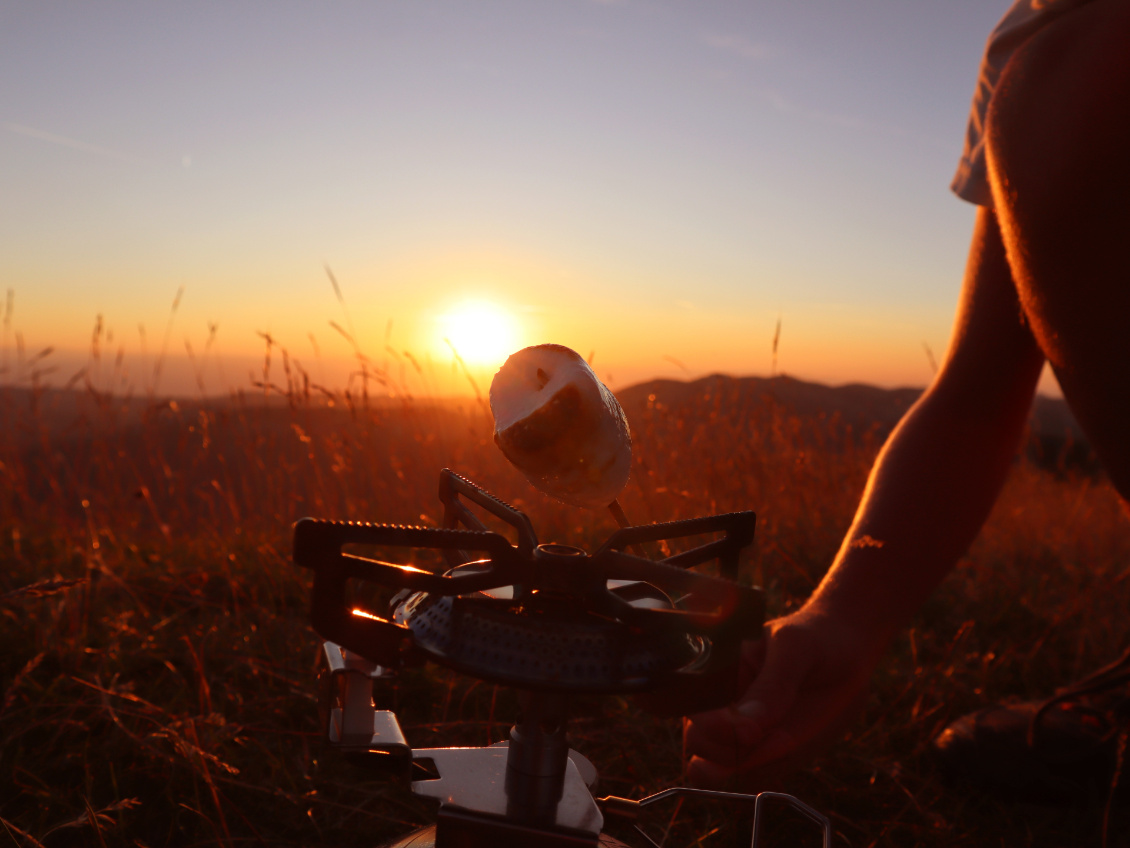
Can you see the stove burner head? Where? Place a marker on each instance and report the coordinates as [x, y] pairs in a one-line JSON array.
[[545, 641], [545, 617]]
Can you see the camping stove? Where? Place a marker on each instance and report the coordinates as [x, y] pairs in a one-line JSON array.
[[550, 621]]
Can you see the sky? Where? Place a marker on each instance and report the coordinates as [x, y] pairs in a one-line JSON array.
[[655, 184]]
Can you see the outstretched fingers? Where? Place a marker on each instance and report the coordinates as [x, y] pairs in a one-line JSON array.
[[810, 683], [729, 738]]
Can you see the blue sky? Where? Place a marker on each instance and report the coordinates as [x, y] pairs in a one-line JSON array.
[[658, 182]]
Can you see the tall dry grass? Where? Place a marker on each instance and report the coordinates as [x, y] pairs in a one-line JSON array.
[[157, 668]]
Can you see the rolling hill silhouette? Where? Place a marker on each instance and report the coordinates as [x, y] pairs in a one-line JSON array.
[[1055, 438]]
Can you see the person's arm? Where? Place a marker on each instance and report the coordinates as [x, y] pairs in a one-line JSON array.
[[929, 492], [937, 477]]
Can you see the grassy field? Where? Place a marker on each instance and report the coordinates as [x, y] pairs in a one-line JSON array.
[[157, 671]]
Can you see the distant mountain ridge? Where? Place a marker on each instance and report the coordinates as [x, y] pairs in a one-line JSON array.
[[857, 404]]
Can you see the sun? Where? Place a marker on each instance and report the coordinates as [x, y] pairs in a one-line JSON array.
[[482, 333]]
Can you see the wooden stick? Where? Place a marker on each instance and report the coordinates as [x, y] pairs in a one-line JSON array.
[[618, 513]]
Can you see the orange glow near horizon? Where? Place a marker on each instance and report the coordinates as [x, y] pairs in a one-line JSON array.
[[487, 305], [628, 344]]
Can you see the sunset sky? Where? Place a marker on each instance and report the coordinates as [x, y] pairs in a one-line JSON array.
[[655, 183]]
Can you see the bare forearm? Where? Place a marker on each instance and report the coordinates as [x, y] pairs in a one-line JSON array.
[[940, 472], [928, 496]]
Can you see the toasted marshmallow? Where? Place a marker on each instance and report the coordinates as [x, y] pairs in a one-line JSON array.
[[560, 426]]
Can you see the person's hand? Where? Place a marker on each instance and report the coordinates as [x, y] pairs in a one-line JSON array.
[[803, 682]]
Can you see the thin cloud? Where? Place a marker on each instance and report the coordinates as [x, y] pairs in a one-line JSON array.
[[752, 51], [739, 45], [63, 141], [851, 122], [782, 104]]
